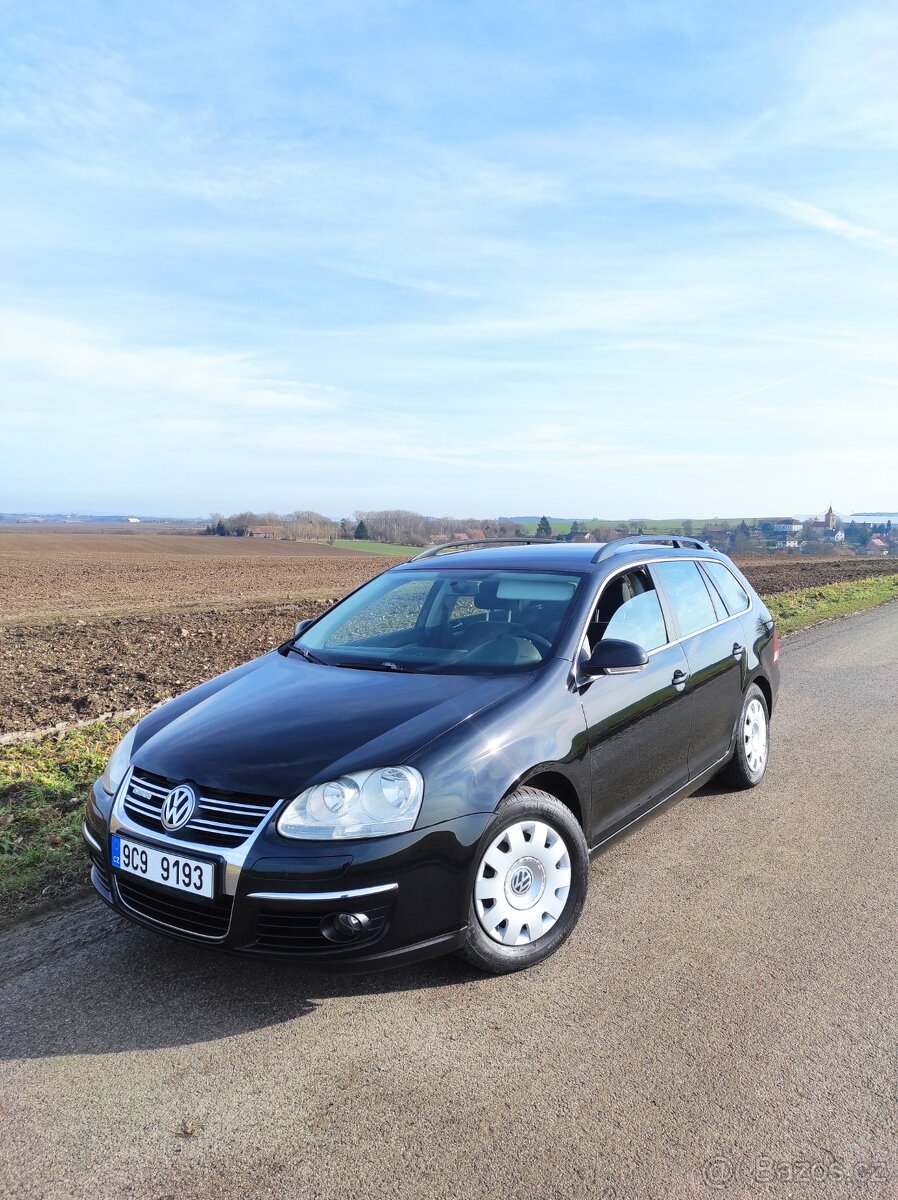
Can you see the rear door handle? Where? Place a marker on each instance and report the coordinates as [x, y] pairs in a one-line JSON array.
[[680, 679], [738, 650]]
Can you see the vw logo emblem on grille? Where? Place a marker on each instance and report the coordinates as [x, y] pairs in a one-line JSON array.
[[521, 880], [178, 807]]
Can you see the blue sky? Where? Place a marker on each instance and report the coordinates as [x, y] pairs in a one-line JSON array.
[[466, 258]]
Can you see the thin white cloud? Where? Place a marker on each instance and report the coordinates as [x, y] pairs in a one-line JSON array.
[[845, 74], [37, 346], [765, 387], [818, 218]]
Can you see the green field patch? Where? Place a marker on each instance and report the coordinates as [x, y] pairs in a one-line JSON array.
[[377, 547]]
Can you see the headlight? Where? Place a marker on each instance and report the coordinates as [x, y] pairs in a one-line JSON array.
[[118, 763], [366, 804]]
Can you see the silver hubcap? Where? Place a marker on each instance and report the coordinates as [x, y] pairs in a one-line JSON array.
[[754, 735], [522, 883]]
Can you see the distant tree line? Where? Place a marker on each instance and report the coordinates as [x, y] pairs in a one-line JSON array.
[[399, 526], [395, 526], [237, 525], [402, 527]]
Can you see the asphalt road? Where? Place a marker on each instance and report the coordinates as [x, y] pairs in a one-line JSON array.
[[723, 1022]]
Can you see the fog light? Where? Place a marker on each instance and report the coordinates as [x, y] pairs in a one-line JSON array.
[[345, 927]]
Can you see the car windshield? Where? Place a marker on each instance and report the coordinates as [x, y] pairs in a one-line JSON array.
[[455, 621]]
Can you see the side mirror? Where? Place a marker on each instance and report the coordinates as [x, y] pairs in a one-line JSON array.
[[301, 627], [616, 658]]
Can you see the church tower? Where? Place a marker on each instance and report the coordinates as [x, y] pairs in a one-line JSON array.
[[830, 518]]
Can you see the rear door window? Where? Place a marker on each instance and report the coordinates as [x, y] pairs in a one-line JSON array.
[[734, 594], [689, 597]]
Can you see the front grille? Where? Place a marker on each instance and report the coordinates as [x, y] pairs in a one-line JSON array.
[[286, 931], [169, 909], [224, 819]]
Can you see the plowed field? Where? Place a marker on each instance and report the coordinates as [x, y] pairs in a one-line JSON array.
[[51, 576]]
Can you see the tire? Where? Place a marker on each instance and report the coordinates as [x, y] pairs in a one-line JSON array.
[[532, 867], [751, 752]]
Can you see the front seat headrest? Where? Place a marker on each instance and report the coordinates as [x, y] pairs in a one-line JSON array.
[[487, 596]]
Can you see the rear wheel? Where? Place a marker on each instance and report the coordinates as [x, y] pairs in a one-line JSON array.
[[530, 883], [749, 762]]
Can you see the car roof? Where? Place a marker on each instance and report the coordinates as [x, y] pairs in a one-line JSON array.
[[554, 556]]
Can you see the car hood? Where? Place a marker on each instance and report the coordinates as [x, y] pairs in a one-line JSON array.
[[278, 724]]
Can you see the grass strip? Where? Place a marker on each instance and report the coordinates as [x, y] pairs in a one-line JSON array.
[[43, 786], [43, 783], [389, 548], [801, 607]]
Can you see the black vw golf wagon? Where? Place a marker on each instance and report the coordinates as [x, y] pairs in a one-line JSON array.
[[428, 765]]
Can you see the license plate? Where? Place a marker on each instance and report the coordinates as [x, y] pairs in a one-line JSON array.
[[172, 870]]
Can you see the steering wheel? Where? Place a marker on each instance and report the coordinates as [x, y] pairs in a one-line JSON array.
[[486, 631], [538, 640], [513, 629]]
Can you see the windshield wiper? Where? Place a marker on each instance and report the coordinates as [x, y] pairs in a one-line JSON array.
[[375, 666], [291, 647]]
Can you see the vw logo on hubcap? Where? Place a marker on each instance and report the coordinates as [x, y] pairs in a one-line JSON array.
[[178, 807], [521, 881]]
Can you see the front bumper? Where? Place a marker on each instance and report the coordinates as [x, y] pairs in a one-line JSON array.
[[412, 890]]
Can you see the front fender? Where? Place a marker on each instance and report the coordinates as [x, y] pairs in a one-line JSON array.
[[475, 765]]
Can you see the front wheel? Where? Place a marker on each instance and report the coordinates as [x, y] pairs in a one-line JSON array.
[[530, 883], [749, 762]]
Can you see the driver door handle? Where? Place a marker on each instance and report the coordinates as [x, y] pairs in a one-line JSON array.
[[738, 650], [680, 679]]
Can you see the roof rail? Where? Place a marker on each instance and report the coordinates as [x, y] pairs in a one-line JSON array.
[[620, 544], [447, 547]]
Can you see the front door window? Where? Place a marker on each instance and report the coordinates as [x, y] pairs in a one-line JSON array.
[[630, 611]]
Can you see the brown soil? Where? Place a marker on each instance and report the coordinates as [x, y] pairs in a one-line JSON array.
[[71, 671], [87, 629], [50, 575]]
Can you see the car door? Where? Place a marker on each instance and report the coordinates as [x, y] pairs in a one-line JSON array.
[[638, 724], [715, 651]]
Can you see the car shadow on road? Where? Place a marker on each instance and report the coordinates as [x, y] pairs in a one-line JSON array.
[[127, 989], [713, 788]]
